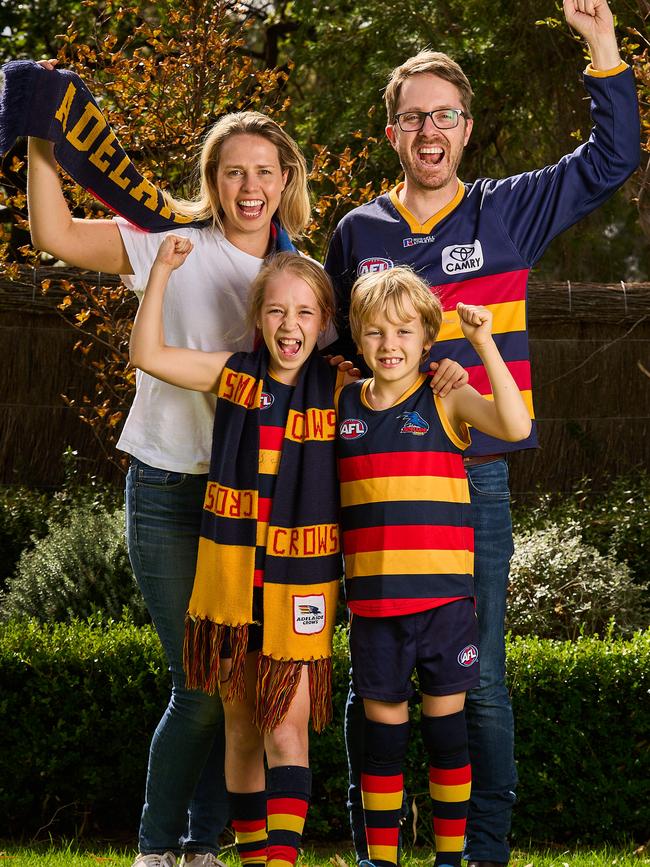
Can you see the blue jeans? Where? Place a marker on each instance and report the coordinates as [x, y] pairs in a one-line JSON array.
[[488, 710], [186, 806]]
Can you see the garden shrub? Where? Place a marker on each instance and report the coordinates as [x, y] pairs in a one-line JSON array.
[[79, 568], [23, 519], [561, 587], [79, 703], [616, 520]]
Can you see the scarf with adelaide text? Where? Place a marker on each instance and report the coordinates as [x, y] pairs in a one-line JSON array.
[[303, 560], [57, 106]]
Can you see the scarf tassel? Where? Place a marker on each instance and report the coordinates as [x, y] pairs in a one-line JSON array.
[[277, 684]]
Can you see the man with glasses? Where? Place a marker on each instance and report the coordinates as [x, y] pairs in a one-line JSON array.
[[476, 243]]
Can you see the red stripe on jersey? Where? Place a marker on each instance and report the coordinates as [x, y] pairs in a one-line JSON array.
[[395, 607], [290, 806], [382, 464], [413, 537], [372, 783], [382, 836], [248, 825], [449, 827], [451, 776], [520, 371], [271, 437], [264, 508], [499, 288], [258, 578]]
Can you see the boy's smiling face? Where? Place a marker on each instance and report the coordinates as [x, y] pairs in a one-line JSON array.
[[393, 348]]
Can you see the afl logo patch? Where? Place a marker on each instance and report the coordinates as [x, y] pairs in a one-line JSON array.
[[372, 266], [266, 400], [468, 656], [352, 428]]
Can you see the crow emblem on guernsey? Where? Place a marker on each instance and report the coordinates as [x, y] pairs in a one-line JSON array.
[[413, 423]]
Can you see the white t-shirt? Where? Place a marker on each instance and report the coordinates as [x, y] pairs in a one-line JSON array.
[[204, 308]]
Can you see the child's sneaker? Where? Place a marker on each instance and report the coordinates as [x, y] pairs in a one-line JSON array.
[[201, 859], [167, 859]]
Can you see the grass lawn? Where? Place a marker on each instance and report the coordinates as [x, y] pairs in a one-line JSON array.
[[76, 855]]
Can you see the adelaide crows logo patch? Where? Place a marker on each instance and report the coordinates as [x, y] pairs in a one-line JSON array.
[[413, 423], [309, 614]]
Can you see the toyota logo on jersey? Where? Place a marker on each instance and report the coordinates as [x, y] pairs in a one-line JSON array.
[[462, 258], [372, 266]]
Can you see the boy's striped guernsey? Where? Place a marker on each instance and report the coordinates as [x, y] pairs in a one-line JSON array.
[[405, 517], [480, 248]]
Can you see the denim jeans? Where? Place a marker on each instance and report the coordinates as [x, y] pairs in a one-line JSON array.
[[185, 806], [488, 710]]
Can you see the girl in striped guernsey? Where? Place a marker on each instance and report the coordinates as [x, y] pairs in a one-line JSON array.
[[261, 616], [408, 546]]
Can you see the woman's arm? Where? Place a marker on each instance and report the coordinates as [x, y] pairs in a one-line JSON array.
[[187, 368], [93, 244], [506, 416]]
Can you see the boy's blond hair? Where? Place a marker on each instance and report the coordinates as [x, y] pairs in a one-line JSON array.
[[384, 291]]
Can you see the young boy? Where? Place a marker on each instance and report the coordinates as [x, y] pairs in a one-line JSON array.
[[408, 546]]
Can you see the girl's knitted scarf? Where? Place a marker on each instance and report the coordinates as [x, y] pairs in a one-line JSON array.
[[303, 560], [57, 106]]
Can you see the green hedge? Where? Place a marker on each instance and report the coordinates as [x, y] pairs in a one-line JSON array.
[[78, 705]]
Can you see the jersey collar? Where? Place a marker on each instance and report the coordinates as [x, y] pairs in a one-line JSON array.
[[424, 228]]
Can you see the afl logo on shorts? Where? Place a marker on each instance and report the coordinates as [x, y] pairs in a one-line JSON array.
[[352, 429], [372, 266], [468, 656], [266, 400]]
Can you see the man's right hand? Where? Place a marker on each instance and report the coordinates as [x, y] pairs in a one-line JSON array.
[[593, 20]]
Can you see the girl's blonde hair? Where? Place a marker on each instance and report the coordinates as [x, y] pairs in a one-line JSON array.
[[300, 266], [294, 211], [387, 291]]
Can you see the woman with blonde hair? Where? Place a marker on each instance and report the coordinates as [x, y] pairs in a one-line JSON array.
[[253, 198]]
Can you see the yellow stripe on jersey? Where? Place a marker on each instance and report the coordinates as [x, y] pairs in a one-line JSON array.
[[450, 794], [262, 533], [381, 800], [507, 316], [404, 488], [269, 461], [424, 562]]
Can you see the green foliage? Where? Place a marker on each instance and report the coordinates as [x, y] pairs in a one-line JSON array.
[[78, 704], [79, 568], [616, 520], [23, 519], [560, 587]]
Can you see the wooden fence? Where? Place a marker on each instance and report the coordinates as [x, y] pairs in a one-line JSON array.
[[591, 378]]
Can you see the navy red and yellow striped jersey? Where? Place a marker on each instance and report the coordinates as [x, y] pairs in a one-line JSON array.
[[480, 248], [407, 535]]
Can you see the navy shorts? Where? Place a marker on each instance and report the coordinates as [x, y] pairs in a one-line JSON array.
[[441, 644]]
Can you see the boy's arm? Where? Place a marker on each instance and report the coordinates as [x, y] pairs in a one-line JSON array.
[[187, 368], [506, 416]]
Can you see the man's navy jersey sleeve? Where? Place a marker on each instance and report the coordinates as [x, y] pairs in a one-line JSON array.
[[535, 207]]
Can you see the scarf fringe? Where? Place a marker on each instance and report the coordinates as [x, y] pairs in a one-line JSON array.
[[202, 656], [320, 692], [277, 684]]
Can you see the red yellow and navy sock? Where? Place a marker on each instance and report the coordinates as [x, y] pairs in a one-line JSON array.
[[288, 789], [450, 781], [248, 811], [382, 788]]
